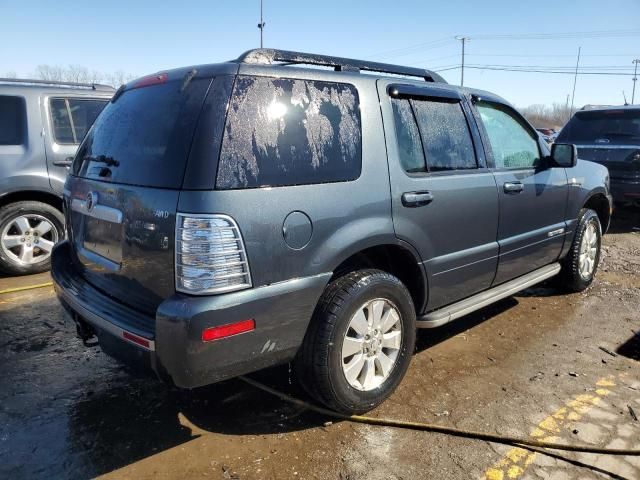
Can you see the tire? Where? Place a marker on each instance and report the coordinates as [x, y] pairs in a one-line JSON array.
[[320, 366], [44, 227], [573, 277]]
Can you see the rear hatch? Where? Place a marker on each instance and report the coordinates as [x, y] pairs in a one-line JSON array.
[[124, 188], [609, 137]]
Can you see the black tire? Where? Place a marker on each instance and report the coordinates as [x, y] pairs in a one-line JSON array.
[[319, 365], [8, 264], [570, 277]]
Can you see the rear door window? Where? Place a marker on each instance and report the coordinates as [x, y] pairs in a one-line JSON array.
[[433, 135], [408, 137], [143, 137], [71, 118], [13, 120], [445, 135], [283, 131]]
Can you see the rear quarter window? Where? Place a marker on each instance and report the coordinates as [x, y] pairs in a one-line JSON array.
[[13, 120], [283, 132]]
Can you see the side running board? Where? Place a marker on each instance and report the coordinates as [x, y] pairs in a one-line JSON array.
[[482, 299]]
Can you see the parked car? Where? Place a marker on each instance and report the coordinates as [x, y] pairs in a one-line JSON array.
[[546, 134], [610, 136], [41, 125], [225, 218]]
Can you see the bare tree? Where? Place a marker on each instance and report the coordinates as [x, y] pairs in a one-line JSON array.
[[81, 74], [546, 116], [11, 74]]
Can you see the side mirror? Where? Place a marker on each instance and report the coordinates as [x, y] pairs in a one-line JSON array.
[[564, 155]]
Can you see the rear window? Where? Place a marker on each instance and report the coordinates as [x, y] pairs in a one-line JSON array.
[[283, 131], [143, 138], [12, 120], [608, 126], [71, 118]]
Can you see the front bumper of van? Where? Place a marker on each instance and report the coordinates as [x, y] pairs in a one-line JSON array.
[[174, 349]]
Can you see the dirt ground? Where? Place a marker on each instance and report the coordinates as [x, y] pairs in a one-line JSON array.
[[540, 364]]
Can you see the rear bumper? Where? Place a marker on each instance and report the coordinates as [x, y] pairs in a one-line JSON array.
[[174, 349], [625, 190]]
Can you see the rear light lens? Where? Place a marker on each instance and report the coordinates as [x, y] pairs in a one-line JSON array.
[[210, 255], [223, 331]]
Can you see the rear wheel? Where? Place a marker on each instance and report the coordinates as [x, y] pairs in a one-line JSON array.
[[28, 232], [359, 343], [580, 266]]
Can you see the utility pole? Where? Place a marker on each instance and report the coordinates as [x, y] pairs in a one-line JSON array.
[[261, 24], [635, 79], [463, 40], [575, 79]]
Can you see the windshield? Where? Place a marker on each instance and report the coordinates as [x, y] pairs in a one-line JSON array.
[[603, 127]]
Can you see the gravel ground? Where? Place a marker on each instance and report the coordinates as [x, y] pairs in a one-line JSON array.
[[540, 364]]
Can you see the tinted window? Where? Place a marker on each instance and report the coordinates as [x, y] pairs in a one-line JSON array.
[[72, 118], [143, 138], [608, 126], [408, 137], [12, 120], [445, 135], [290, 132], [513, 145]]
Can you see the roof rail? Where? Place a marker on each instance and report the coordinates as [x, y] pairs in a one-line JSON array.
[[29, 81], [269, 56]]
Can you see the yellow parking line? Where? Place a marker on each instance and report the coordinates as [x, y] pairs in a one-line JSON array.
[[28, 287], [516, 460]]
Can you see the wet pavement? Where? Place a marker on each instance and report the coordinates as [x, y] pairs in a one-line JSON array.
[[540, 364]]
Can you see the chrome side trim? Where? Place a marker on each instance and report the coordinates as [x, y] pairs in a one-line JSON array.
[[100, 322], [556, 232], [610, 147], [100, 212], [482, 299]]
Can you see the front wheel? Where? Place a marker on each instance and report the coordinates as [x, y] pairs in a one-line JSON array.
[[360, 341], [580, 266]]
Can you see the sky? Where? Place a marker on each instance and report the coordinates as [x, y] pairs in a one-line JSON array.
[[145, 36]]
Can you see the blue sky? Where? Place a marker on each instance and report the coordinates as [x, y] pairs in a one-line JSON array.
[[144, 36]]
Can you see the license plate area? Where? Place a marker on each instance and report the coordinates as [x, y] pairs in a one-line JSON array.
[[103, 238]]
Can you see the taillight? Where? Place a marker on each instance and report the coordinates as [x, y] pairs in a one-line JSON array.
[[210, 255]]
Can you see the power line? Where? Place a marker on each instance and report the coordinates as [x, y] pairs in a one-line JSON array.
[[402, 51], [552, 36], [567, 72]]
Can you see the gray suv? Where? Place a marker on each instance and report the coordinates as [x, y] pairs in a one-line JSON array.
[[225, 218], [41, 125]]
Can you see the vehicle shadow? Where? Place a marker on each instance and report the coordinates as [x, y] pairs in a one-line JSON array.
[[625, 219], [631, 348]]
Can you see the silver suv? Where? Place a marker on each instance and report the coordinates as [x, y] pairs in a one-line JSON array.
[[41, 125]]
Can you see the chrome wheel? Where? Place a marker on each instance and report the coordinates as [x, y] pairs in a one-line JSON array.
[[28, 239], [371, 344], [588, 251]]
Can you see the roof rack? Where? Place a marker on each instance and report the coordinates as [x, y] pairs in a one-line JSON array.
[[29, 81], [269, 56]]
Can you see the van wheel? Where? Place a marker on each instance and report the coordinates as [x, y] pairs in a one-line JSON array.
[[580, 266], [28, 232], [359, 343]]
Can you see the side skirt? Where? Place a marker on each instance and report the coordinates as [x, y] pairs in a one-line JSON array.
[[463, 307]]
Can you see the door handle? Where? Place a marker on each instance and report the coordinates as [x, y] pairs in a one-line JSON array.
[[513, 187], [416, 199], [63, 163]]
